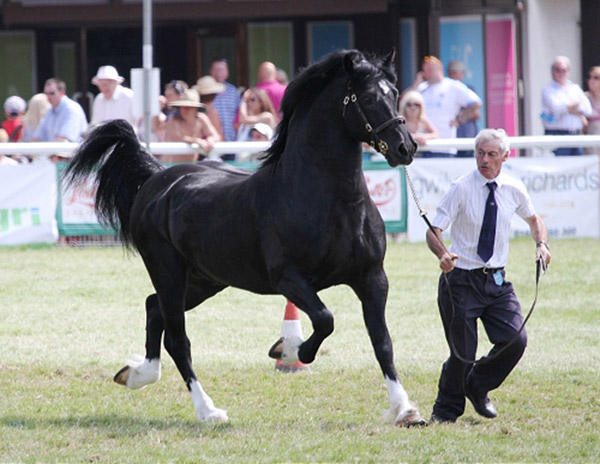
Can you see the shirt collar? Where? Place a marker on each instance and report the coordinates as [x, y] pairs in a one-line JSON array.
[[482, 181]]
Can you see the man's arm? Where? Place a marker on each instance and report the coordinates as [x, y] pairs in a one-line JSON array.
[[539, 233], [468, 113], [436, 245]]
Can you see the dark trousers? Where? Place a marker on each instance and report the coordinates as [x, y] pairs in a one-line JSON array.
[[565, 151], [476, 296]]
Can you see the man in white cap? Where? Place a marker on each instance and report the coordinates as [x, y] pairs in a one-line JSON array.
[[114, 101]]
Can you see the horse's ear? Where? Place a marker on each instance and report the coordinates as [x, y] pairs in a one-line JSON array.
[[388, 60], [349, 62]]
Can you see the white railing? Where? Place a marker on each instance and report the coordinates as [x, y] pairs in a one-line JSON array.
[[542, 142]]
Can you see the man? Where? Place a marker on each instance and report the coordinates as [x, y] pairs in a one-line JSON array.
[[473, 267], [564, 105], [114, 101], [448, 102], [468, 129], [267, 81], [65, 121], [228, 101]]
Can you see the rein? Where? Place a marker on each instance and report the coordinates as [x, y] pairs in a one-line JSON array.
[[376, 142], [540, 269]]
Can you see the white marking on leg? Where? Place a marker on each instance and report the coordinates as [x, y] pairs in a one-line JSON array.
[[289, 354], [204, 406], [400, 407], [143, 372]]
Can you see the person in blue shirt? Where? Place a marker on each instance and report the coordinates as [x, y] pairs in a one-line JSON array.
[[65, 121]]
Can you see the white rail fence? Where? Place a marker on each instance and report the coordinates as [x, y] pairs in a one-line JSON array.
[[539, 145]]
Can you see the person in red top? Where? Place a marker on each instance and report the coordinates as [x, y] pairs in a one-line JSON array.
[[267, 81], [14, 109]]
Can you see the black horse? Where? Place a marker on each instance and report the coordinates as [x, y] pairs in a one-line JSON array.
[[302, 222]]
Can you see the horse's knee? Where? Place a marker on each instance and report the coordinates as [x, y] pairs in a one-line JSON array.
[[323, 324]]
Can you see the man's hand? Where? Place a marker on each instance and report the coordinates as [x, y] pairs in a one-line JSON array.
[[447, 262]]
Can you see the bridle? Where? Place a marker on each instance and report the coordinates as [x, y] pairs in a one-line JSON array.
[[540, 269], [375, 141]]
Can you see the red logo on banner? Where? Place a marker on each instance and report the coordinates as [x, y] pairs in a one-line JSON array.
[[382, 192]]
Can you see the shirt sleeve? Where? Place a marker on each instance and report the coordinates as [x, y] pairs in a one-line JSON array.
[[447, 208], [525, 207]]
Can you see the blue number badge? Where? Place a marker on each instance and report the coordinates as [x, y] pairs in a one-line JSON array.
[[498, 278]]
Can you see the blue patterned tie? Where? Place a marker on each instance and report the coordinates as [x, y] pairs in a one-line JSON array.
[[485, 248]]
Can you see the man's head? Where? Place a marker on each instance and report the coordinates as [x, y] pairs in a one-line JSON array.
[[107, 79], [219, 70], [456, 70], [267, 71], [433, 70], [561, 66], [491, 150], [55, 89]]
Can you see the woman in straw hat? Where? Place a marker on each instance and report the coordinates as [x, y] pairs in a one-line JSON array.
[[209, 88], [191, 126]]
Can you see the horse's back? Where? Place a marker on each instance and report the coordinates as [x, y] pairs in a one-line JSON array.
[[203, 212]]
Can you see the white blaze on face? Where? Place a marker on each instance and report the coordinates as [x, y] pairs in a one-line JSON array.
[[384, 87]]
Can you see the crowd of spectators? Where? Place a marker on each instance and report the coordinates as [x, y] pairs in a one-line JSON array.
[[214, 109]]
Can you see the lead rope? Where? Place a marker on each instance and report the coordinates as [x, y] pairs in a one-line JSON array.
[[540, 269]]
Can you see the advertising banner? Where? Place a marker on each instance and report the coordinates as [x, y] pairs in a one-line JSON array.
[[387, 190], [564, 192], [461, 38], [501, 74], [28, 204]]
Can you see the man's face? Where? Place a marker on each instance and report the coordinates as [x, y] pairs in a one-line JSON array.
[[431, 72], [560, 72], [54, 95], [220, 71], [489, 158], [107, 87]]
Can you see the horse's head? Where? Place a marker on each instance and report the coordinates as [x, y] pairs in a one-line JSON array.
[[370, 109]]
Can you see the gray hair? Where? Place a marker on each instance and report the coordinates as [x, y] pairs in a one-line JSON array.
[[561, 59], [486, 135]]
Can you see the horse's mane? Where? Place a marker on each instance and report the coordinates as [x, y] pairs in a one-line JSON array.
[[311, 81]]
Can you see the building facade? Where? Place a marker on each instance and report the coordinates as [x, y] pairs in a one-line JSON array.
[[507, 45]]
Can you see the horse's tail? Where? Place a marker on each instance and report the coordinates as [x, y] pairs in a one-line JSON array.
[[113, 156]]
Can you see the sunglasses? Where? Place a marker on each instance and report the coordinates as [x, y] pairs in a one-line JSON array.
[[54, 92], [177, 87], [411, 104], [560, 70]]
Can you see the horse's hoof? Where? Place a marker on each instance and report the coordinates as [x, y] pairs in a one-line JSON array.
[[277, 349], [122, 376], [411, 418], [218, 416]]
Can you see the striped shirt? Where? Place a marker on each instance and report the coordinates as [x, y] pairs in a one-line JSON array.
[[227, 104], [463, 208]]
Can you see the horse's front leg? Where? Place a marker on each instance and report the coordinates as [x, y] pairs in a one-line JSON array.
[[301, 293], [372, 293], [140, 372]]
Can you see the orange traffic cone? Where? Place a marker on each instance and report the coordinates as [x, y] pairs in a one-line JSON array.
[[291, 328]]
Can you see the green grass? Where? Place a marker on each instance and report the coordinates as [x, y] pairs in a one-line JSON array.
[[70, 318]]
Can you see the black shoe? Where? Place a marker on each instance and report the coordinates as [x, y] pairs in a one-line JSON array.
[[441, 420], [482, 404]]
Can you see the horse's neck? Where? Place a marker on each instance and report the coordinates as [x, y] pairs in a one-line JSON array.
[[320, 139]]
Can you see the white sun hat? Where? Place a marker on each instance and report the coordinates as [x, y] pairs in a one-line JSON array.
[[107, 72]]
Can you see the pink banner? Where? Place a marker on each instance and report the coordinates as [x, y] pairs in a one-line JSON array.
[[501, 76]]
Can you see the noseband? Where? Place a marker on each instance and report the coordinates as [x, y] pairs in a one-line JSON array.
[[375, 142]]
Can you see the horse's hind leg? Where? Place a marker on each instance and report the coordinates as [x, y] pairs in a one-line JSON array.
[[373, 295], [144, 371], [169, 277]]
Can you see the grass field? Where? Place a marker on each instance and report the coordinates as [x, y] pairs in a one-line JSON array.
[[70, 318]]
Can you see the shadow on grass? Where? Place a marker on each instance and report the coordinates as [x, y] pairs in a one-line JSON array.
[[113, 423]]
